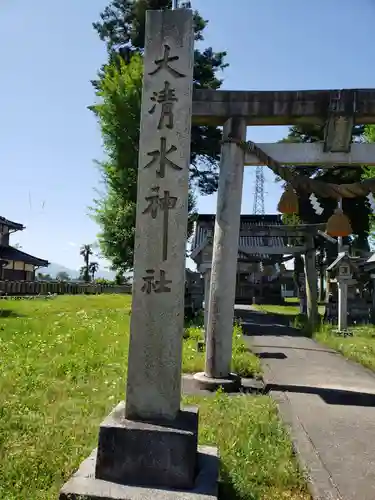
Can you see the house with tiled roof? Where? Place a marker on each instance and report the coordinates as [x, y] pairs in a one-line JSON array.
[[16, 265]]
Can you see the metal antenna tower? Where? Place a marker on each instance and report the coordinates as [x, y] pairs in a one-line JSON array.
[[258, 207], [184, 5]]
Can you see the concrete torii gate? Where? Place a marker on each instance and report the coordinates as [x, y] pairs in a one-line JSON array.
[[338, 110]]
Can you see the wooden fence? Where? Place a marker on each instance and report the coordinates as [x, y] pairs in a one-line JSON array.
[[26, 288]]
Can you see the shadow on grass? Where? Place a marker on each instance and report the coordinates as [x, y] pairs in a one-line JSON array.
[[227, 490], [249, 386], [7, 313], [260, 323], [263, 316], [194, 321], [329, 396]]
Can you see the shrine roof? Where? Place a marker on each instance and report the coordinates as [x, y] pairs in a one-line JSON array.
[[11, 253], [11, 224], [344, 257], [204, 228]]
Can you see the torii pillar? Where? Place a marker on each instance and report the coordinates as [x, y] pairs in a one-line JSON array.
[[311, 282], [219, 330]]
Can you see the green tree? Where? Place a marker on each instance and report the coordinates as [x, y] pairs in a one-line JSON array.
[[82, 274], [86, 252], [118, 89], [121, 279], [44, 277], [62, 276], [93, 269], [369, 173]]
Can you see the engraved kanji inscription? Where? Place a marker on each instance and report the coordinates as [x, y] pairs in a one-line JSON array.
[[166, 97], [153, 285], [164, 204], [163, 63], [155, 202], [159, 156]]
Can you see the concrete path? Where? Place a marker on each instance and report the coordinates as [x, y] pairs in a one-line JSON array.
[[328, 402]]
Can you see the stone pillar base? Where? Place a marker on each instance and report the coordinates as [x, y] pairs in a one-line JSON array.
[[232, 383], [157, 454], [85, 486]]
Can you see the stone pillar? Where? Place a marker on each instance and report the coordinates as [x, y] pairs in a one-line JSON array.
[[156, 330], [328, 285], [261, 284], [224, 259], [207, 284], [150, 441], [321, 284], [342, 319], [311, 282]]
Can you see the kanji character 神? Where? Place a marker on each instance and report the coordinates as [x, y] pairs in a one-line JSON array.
[[165, 203], [155, 202]]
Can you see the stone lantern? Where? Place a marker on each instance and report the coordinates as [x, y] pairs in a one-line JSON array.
[[343, 269]]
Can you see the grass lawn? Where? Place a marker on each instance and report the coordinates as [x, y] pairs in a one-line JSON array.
[[359, 347], [291, 308], [287, 309], [62, 369]]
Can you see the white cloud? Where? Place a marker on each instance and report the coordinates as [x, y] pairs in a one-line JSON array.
[[72, 244]]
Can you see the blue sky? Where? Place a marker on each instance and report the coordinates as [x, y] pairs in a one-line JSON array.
[[48, 138]]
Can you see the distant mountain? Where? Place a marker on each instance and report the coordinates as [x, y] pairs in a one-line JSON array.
[[53, 269]]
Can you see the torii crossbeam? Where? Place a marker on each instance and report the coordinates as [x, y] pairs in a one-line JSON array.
[[289, 107]]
